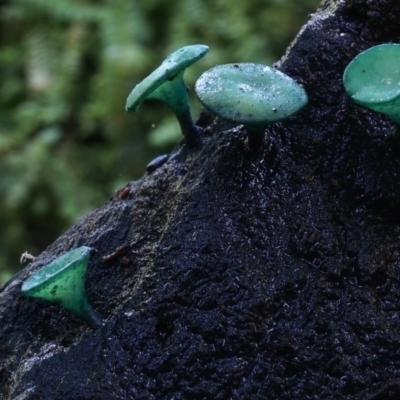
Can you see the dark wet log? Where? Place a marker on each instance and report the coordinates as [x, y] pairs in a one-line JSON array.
[[230, 275]]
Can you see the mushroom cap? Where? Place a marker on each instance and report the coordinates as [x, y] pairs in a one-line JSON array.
[[54, 279], [249, 93], [372, 79], [174, 64]]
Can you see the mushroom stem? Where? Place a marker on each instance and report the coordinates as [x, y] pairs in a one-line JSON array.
[[392, 110], [255, 136], [89, 315], [174, 94]]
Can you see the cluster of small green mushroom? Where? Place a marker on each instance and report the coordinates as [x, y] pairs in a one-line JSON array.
[[250, 94], [253, 95]]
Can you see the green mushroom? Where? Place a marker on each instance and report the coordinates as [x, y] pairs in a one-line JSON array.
[[251, 94], [372, 79], [63, 282], [166, 84]]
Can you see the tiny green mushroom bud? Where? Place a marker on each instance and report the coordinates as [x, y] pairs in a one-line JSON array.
[[251, 94], [372, 79], [63, 282], [166, 84]]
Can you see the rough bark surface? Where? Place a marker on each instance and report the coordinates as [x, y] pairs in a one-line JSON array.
[[240, 276]]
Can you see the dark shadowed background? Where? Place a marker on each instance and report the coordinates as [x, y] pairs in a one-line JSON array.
[[66, 68]]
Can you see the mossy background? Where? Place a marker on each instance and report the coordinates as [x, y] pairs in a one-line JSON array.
[[66, 68]]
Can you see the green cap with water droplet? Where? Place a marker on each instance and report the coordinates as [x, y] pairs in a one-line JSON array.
[[250, 94], [372, 79], [63, 282]]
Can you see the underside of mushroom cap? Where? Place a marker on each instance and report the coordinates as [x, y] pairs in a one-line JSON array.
[[174, 64], [249, 93]]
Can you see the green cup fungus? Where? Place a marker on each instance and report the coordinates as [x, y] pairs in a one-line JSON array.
[[166, 84], [251, 94], [372, 79], [63, 282]]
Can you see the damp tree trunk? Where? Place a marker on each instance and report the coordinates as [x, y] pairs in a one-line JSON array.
[[229, 275]]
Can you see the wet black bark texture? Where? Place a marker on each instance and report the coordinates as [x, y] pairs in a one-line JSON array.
[[242, 277]]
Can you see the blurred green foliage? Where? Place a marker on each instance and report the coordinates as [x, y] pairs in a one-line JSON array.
[[66, 68]]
